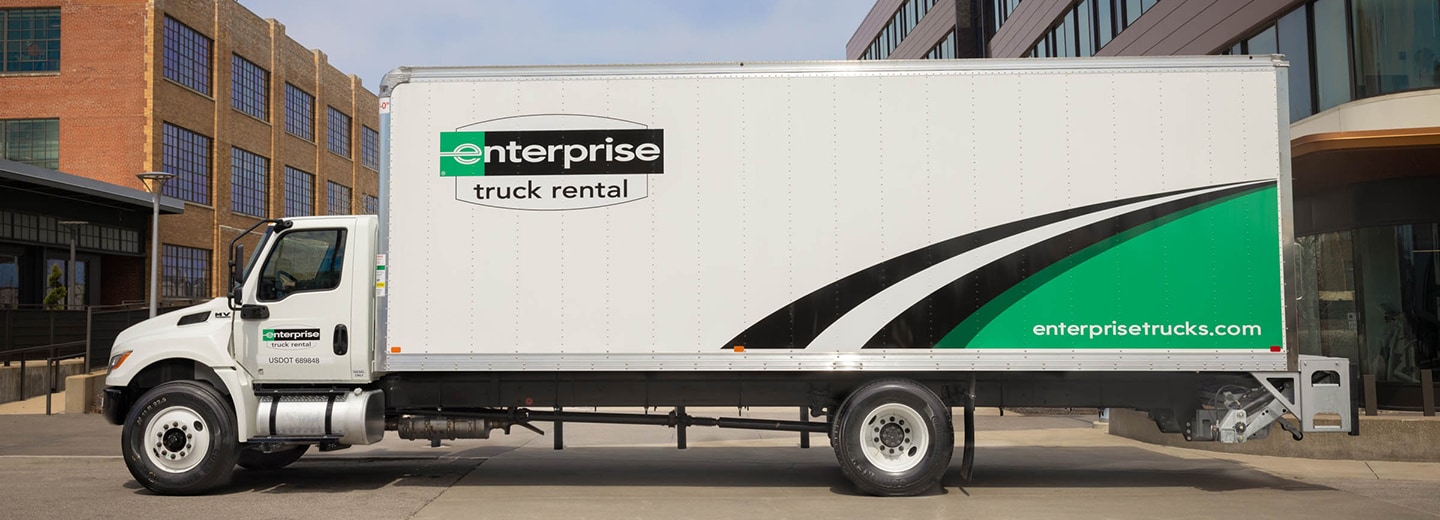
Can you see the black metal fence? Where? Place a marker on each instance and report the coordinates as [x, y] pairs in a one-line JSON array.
[[89, 332]]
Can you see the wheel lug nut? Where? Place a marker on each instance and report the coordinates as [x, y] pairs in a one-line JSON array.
[[182, 454], [184, 428]]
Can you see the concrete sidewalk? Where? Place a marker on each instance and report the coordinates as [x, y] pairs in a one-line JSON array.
[[35, 405]]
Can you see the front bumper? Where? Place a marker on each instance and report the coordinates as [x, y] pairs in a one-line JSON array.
[[114, 404]]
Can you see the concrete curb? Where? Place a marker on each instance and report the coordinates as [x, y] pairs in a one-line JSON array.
[[82, 392], [34, 378], [1399, 438]]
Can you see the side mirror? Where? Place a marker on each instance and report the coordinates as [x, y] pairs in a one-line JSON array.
[[236, 256]]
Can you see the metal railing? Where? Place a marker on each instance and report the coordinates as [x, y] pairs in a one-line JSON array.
[[52, 366], [63, 334]]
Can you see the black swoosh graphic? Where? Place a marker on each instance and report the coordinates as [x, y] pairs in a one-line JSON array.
[[797, 324]]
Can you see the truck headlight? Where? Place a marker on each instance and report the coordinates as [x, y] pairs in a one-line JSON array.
[[117, 359]]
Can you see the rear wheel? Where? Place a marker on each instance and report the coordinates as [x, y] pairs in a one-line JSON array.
[[255, 458], [893, 437], [180, 439]]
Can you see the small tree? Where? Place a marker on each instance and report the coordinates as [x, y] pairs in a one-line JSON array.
[[55, 299]]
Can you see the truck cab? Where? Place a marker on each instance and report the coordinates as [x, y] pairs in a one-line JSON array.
[[301, 312]]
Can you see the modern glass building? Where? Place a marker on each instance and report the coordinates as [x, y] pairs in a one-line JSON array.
[[1364, 84]]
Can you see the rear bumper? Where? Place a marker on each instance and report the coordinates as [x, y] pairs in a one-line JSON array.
[[114, 403]]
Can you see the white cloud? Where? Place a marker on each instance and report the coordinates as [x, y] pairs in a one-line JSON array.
[[368, 38]]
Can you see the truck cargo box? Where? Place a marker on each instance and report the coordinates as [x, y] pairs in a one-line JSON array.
[[1104, 214]]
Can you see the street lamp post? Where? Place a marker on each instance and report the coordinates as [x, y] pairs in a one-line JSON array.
[[154, 181], [74, 227]]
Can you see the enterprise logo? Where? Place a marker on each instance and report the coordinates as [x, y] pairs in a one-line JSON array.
[[552, 152], [290, 334]]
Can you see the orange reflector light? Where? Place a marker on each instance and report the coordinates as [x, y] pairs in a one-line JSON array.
[[739, 348], [394, 350], [1275, 348]]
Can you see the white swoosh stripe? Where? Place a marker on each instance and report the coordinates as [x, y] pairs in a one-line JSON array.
[[851, 331]]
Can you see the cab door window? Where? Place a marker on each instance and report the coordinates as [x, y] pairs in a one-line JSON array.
[[303, 261]]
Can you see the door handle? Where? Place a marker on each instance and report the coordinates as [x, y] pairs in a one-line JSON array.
[[342, 340], [251, 311]]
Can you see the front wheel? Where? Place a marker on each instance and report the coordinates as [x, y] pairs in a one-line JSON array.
[[894, 437], [180, 439]]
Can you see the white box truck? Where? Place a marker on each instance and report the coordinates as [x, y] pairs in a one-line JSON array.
[[872, 242]]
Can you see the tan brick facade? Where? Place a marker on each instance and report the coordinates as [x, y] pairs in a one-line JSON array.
[[113, 100]]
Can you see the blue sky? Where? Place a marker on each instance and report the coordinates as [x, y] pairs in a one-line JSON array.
[[368, 37]]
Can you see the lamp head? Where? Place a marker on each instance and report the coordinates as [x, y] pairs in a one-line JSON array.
[[154, 180]]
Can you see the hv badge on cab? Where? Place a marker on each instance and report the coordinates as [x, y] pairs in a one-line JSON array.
[[552, 162]]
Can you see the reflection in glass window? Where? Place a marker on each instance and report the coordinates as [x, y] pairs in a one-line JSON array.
[[303, 261], [299, 113], [369, 148], [1133, 10], [30, 40], [187, 56], [1396, 45], [187, 155], [1295, 45], [337, 198], [185, 272], [250, 88], [1263, 43], [9, 281], [299, 193], [337, 131], [35, 142], [249, 182], [1332, 54]]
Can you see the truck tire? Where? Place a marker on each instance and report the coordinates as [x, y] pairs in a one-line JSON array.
[[893, 437], [254, 459], [180, 439]]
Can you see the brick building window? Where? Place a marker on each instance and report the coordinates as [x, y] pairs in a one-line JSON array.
[[299, 113], [299, 193], [369, 148], [30, 40], [250, 89], [249, 177], [185, 272], [187, 56], [339, 199], [337, 131], [372, 205], [187, 155], [31, 141]]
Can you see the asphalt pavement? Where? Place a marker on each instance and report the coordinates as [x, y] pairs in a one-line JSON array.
[[68, 466]]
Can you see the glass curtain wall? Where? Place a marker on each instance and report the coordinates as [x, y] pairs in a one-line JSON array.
[[1372, 295]]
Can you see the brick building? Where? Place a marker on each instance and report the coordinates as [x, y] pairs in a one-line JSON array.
[[253, 124]]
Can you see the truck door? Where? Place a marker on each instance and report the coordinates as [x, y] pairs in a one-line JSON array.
[[297, 321]]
